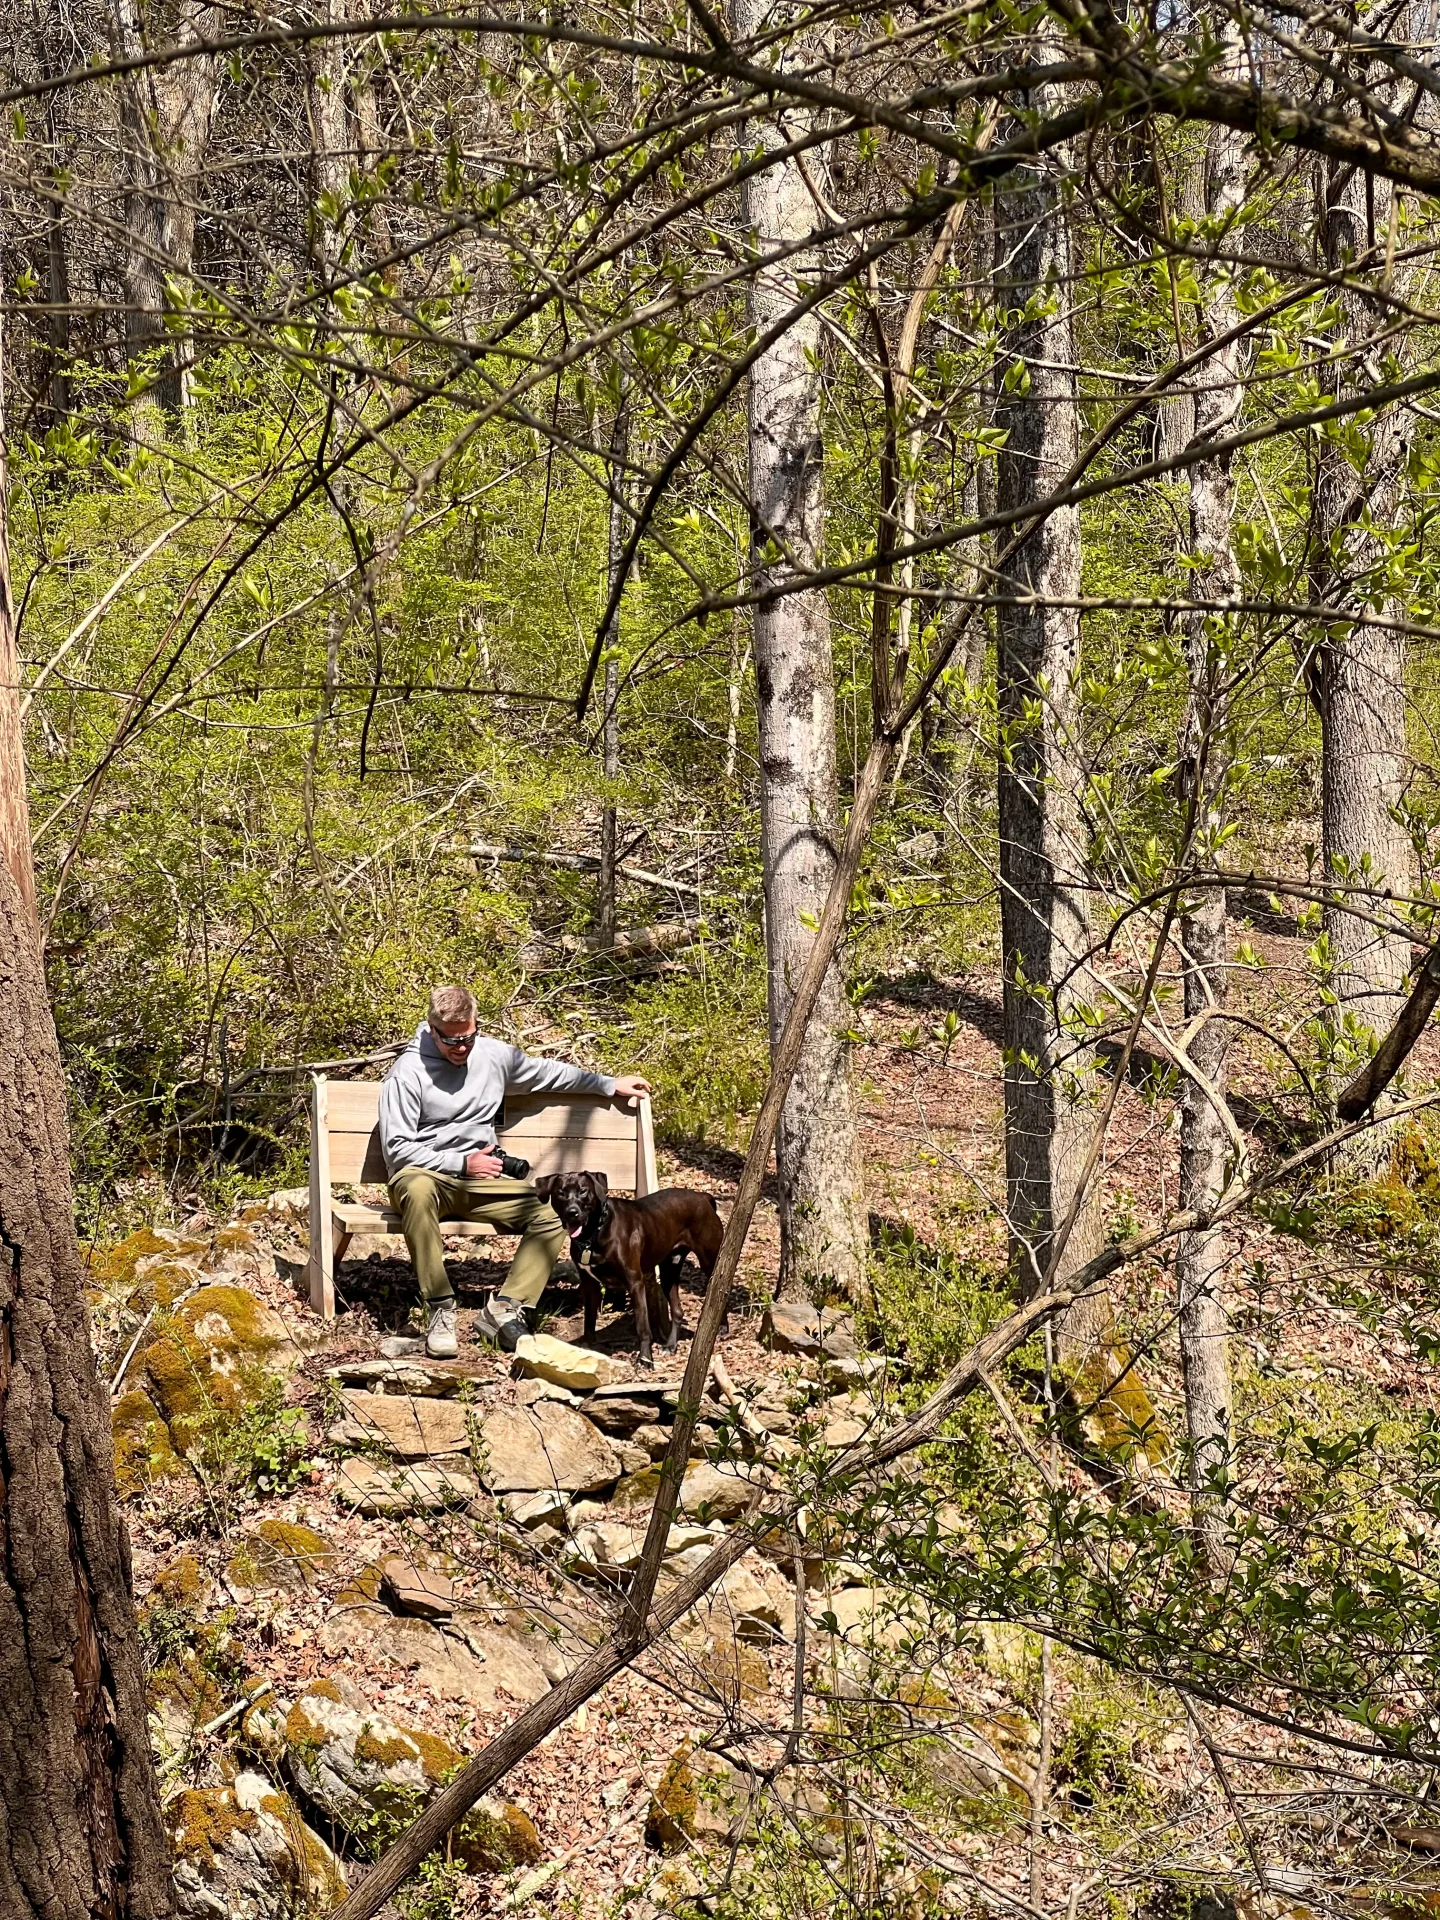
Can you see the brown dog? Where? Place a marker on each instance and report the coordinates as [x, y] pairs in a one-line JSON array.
[[628, 1239]]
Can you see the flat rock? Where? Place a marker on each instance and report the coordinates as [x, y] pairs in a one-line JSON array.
[[868, 1616], [666, 1390], [529, 1391], [539, 1356], [750, 1601], [619, 1413], [417, 1590], [709, 1492], [471, 1659], [417, 1376], [380, 1491], [794, 1326], [653, 1438], [609, 1548], [545, 1509], [530, 1449], [409, 1426]]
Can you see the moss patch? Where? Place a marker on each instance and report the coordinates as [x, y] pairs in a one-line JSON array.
[[162, 1285], [1115, 1415], [362, 1589], [202, 1820], [673, 1805], [496, 1839], [281, 1557], [637, 1489], [210, 1358], [144, 1450], [114, 1266]]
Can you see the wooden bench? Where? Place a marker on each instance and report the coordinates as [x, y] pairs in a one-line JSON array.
[[556, 1133]]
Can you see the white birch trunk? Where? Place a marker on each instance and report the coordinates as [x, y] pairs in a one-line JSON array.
[[822, 1215], [165, 117], [1044, 930], [1204, 754]]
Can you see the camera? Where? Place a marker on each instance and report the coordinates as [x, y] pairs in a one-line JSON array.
[[511, 1165]]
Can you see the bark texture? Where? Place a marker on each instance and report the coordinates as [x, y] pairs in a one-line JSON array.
[[822, 1218], [610, 722], [1044, 931], [81, 1836], [1357, 673], [165, 122], [1204, 758]]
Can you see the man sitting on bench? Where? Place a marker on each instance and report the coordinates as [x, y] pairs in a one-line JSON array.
[[438, 1109]]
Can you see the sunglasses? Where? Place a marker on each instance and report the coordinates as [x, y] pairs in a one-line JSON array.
[[464, 1041]]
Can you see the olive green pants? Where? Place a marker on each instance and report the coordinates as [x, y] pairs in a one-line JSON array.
[[423, 1199]]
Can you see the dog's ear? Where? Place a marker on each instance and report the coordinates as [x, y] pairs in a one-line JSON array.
[[601, 1184], [545, 1185]]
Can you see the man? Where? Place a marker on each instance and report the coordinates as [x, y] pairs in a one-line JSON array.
[[438, 1109]]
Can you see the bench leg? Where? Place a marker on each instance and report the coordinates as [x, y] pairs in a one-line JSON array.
[[340, 1245]]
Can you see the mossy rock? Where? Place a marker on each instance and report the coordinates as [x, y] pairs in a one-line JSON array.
[[670, 1822], [245, 1849], [161, 1281], [144, 1450], [362, 1589], [280, 1557], [1116, 1417], [211, 1358], [202, 1821], [234, 1241], [637, 1489], [185, 1695], [496, 1837], [180, 1586], [114, 1266]]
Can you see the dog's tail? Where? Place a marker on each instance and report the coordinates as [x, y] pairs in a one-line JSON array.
[[713, 1206]]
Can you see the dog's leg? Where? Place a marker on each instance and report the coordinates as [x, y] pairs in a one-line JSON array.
[[640, 1300], [590, 1292], [670, 1273]]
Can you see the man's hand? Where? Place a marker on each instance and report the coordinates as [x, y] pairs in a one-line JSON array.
[[483, 1164], [631, 1086]]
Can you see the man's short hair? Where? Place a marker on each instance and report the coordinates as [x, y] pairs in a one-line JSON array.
[[449, 1004]]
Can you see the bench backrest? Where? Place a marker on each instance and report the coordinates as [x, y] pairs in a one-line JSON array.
[[556, 1133]]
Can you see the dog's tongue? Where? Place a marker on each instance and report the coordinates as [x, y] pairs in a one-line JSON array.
[[575, 1233]]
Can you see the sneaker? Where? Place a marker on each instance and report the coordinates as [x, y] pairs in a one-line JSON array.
[[440, 1341], [502, 1321]]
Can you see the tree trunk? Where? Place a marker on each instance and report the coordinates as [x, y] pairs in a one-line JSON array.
[[165, 119], [610, 723], [1044, 932], [81, 1836], [331, 146], [1204, 757], [822, 1215], [1358, 676]]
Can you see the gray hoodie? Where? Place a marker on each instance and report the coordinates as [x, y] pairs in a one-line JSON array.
[[432, 1113]]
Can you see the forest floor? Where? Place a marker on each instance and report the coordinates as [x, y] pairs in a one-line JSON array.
[[1151, 1808]]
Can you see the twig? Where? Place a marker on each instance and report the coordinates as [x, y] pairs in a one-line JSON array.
[[1222, 1774], [124, 1366], [573, 863], [720, 1373], [240, 1707]]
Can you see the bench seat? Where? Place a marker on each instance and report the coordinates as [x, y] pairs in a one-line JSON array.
[[354, 1217], [556, 1133]]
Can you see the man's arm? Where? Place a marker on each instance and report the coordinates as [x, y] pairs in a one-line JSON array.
[[527, 1073], [401, 1140]]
